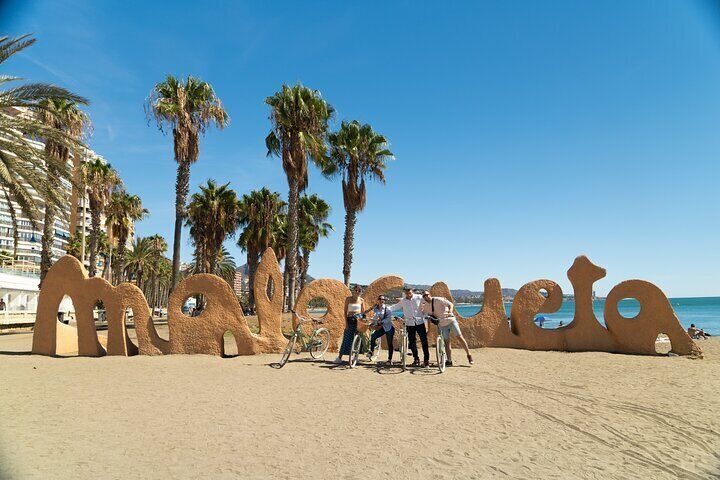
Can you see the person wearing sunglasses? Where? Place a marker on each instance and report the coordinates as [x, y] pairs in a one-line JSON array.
[[442, 309], [383, 325]]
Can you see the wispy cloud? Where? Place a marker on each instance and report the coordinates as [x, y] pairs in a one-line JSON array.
[[65, 78]]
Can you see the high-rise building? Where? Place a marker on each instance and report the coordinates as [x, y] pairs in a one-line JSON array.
[[20, 274]]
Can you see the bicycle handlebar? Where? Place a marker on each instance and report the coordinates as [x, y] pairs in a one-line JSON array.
[[306, 320]]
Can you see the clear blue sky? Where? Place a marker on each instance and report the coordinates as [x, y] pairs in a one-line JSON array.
[[525, 133]]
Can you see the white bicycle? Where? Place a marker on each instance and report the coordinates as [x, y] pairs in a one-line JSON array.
[[404, 343], [440, 352]]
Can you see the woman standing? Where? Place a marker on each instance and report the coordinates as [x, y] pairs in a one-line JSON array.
[[354, 308]]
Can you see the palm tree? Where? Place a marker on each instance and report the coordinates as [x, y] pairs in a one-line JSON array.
[[224, 266], [357, 152], [189, 108], [163, 276], [299, 118], [212, 215], [138, 260], [122, 211], [75, 245], [314, 212], [100, 179], [23, 167], [260, 216], [157, 264], [65, 116]]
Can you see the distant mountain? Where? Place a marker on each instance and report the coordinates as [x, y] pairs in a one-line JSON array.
[[463, 293], [458, 293]]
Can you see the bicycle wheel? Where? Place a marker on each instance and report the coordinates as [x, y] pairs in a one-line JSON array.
[[378, 347], [288, 350], [441, 354], [319, 343], [355, 351], [404, 351]]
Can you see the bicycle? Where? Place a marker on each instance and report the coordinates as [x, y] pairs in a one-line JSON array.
[[440, 352], [316, 343], [361, 344], [404, 343]]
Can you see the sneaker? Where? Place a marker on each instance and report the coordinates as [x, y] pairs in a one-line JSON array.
[[448, 363], [470, 359], [416, 363], [426, 364], [337, 361]]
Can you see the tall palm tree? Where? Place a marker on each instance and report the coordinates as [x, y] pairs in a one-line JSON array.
[[65, 116], [299, 118], [314, 212], [357, 153], [260, 216], [157, 263], [23, 167], [189, 108], [138, 260], [213, 215], [163, 275], [100, 179], [122, 211]]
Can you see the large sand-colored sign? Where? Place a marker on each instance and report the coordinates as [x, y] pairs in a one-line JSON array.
[[204, 333]]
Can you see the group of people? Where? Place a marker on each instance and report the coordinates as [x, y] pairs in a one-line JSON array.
[[415, 308]]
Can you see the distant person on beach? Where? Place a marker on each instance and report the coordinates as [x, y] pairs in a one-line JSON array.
[[2, 305], [696, 333], [382, 319], [561, 324], [410, 306], [354, 308], [442, 309]]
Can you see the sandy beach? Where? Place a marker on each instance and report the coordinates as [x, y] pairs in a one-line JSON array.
[[515, 414]]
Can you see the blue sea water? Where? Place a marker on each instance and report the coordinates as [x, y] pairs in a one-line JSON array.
[[704, 312]]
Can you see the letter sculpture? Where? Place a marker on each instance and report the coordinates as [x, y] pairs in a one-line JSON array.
[[204, 333]]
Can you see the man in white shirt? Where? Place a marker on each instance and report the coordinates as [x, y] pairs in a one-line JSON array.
[[442, 309], [415, 324]]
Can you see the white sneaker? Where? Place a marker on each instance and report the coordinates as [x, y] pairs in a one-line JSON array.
[[338, 360]]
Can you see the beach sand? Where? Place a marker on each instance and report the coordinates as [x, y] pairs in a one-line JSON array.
[[515, 414]]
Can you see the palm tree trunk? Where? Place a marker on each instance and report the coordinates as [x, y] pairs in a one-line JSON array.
[[94, 235], [13, 220], [107, 268], [119, 264], [182, 186], [82, 234], [153, 281], [292, 241], [350, 219], [212, 260], [252, 261], [47, 242], [305, 267], [301, 269]]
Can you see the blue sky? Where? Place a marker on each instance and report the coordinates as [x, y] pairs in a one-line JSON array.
[[525, 133]]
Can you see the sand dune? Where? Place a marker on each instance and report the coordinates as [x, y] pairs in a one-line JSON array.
[[515, 414]]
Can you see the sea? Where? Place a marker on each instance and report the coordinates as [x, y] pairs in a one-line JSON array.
[[704, 312]]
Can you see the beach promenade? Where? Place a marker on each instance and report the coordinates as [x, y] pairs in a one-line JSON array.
[[515, 414]]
